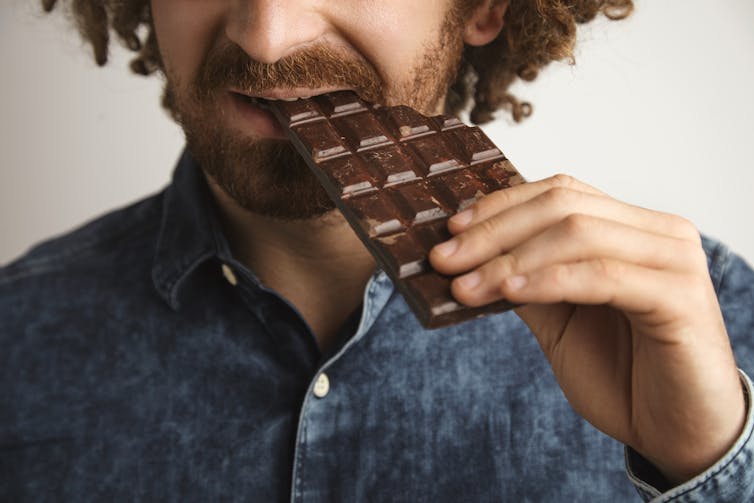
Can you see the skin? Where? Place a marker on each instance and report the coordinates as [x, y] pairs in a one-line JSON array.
[[619, 297], [298, 257], [621, 302]]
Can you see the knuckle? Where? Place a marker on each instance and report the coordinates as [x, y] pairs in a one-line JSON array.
[[609, 269], [557, 197], [506, 264], [562, 180], [489, 227], [493, 202], [694, 254], [684, 228], [576, 224]]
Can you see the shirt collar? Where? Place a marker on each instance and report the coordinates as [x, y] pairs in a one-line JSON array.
[[190, 235], [189, 232]]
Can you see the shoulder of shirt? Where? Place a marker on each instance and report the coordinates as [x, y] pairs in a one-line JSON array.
[[89, 244]]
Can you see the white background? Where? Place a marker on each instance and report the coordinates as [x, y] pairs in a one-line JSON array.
[[658, 111]]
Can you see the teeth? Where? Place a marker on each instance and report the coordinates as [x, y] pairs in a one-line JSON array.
[[277, 99], [252, 99]]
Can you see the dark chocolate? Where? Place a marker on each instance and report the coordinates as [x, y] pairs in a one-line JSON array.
[[397, 176]]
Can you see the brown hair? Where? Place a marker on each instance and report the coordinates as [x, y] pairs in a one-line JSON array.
[[536, 33]]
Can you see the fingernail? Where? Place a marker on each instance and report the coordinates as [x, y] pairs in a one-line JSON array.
[[469, 281], [462, 218], [516, 282], [447, 248]]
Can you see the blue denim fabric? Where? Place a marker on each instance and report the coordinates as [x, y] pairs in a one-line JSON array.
[[131, 369]]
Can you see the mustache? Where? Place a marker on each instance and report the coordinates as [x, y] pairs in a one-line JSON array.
[[228, 66]]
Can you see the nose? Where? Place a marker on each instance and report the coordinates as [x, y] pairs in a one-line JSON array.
[[268, 30]]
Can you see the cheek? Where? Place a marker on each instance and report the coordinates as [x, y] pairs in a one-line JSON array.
[[185, 31], [393, 38]]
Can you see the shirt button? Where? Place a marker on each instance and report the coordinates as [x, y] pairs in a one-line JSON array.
[[322, 386], [229, 275]]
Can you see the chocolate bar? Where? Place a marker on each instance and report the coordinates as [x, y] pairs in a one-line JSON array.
[[397, 176]]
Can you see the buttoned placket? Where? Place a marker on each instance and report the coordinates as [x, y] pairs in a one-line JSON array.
[[376, 295]]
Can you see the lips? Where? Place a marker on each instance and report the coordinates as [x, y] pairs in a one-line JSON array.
[[288, 94], [255, 116], [259, 101], [250, 115]]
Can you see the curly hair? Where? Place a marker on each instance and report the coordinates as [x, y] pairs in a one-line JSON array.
[[536, 33]]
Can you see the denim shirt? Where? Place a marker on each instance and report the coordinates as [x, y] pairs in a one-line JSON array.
[[140, 361]]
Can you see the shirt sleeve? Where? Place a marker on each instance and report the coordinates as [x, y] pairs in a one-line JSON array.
[[730, 480]]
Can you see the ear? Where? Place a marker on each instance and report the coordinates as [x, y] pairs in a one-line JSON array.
[[485, 22]]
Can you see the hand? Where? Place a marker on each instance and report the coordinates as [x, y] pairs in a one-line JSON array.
[[621, 302]]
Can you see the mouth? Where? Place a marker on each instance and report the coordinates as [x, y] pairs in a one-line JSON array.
[[262, 102], [253, 116], [286, 94], [253, 111]]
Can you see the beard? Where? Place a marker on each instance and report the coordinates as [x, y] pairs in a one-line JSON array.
[[268, 177]]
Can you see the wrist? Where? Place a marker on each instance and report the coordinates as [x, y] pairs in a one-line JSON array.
[[704, 447]]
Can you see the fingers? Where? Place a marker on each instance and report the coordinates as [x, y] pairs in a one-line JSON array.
[[568, 195], [514, 241], [574, 240], [501, 200], [504, 220], [623, 285]]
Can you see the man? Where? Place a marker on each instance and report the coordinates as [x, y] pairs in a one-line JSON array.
[[230, 339]]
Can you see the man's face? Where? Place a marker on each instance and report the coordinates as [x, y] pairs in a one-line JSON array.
[[219, 53]]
